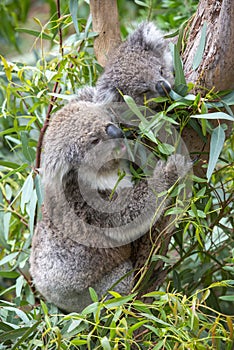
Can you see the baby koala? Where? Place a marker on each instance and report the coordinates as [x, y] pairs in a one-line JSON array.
[[140, 67], [91, 216]]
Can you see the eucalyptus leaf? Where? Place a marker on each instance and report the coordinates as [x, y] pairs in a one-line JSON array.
[[26, 191], [105, 344], [201, 47], [135, 109], [73, 6], [8, 258], [216, 145], [35, 33], [180, 82], [214, 116], [28, 151], [31, 210]]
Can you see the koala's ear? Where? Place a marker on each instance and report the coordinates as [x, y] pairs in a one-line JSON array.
[[54, 169], [106, 94], [87, 93], [149, 37]]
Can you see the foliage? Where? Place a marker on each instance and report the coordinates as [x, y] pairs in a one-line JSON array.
[[191, 309], [12, 12], [171, 321], [169, 14]]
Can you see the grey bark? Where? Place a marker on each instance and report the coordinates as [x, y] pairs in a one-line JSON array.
[[217, 66]]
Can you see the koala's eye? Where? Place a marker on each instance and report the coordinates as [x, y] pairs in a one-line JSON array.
[[162, 71], [94, 141], [145, 91]]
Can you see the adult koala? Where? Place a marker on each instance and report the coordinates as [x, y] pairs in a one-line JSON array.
[[90, 218], [140, 67]]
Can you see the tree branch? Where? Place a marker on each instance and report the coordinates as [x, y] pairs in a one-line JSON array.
[[106, 24]]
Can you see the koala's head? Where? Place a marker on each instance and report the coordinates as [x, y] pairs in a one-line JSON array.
[[141, 67], [81, 133]]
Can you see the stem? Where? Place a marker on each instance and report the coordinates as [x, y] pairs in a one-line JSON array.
[[45, 126], [60, 30]]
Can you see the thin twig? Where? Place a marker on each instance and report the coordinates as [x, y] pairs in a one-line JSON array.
[[13, 211], [45, 126], [60, 30]]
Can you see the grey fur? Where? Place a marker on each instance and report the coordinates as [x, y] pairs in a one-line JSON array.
[[63, 264], [139, 67], [68, 255]]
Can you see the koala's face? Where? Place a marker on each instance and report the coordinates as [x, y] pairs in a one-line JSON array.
[[80, 133], [141, 67]]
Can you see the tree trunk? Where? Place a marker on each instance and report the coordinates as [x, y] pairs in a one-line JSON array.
[[216, 69], [217, 65], [106, 24]]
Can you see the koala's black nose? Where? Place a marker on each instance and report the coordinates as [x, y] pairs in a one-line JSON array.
[[114, 132], [163, 87]]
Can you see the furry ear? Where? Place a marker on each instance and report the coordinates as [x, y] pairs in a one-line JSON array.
[[149, 37], [86, 94], [106, 94]]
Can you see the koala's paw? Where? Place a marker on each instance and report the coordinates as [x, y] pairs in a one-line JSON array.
[[177, 167]]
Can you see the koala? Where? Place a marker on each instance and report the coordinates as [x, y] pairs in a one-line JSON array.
[[85, 236], [140, 67]]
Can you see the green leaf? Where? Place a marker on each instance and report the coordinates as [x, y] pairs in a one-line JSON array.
[[135, 326], [105, 344], [27, 190], [201, 47], [141, 3], [9, 258], [35, 33], [134, 108], [166, 148], [156, 319], [78, 342], [13, 334], [19, 285], [90, 309], [7, 67], [28, 151], [215, 115], [115, 302], [74, 325], [9, 274], [15, 171], [227, 297], [22, 315], [93, 295], [216, 145], [9, 165], [31, 210], [37, 182], [180, 81], [25, 335], [6, 224], [73, 7]]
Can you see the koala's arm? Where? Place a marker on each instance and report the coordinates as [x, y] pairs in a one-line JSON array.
[[146, 203], [133, 211]]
